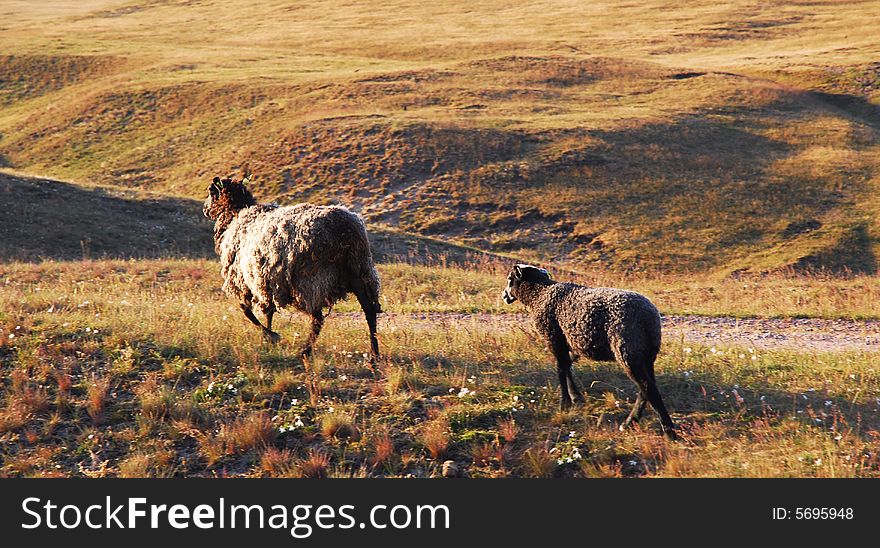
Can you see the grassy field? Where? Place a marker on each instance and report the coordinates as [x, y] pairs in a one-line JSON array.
[[143, 368], [722, 159]]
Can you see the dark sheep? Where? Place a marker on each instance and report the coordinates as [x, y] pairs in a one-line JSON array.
[[603, 324], [302, 256]]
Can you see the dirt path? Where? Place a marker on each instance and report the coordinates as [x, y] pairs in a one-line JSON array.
[[810, 334]]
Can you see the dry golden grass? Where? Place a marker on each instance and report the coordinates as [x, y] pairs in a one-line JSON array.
[[710, 157], [677, 138]]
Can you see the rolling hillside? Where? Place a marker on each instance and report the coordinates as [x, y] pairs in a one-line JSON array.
[[633, 136]]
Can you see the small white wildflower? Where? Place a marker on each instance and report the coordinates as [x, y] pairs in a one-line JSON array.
[[687, 350], [818, 461], [343, 377], [633, 462], [828, 403]]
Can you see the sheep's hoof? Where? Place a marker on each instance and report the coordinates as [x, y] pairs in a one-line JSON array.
[[271, 336], [670, 434]]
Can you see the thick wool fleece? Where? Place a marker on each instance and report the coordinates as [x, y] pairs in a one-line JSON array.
[[301, 256], [602, 323]]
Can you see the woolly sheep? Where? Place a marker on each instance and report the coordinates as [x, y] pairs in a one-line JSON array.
[[303, 256], [603, 324]]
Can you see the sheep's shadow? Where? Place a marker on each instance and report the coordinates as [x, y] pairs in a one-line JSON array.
[[44, 219]]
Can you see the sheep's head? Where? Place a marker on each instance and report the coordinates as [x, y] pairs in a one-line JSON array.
[[225, 197], [523, 273]]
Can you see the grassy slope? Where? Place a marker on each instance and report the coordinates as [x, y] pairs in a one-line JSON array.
[[145, 369], [688, 139]]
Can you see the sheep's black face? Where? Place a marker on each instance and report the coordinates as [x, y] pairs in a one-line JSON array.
[[226, 196], [208, 209], [523, 273]]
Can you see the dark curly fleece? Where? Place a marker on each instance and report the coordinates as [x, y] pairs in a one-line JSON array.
[[602, 323]]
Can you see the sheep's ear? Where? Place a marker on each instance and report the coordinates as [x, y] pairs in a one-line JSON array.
[[517, 272]]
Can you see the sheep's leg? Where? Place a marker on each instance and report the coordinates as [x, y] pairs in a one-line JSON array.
[[249, 314], [656, 401], [270, 335], [642, 373], [317, 324], [573, 389], [371, 310], [636, 412], [567, 387]]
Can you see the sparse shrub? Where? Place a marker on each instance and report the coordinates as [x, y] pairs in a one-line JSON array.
[[508, 430], [537, 462], [250, 432], [383, 448], [211, 447], [96, 398], [156, 400], [277, 462], [14, 416], [435, 437], [283, 381], [126, 361], [154, 464], [315, 464], [339, 425]]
